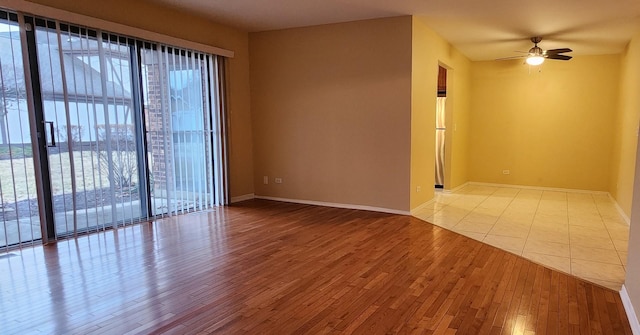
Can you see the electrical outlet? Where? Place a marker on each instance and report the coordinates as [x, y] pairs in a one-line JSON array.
[[418, 189], [506, 172], [265, 180], [278, 180]]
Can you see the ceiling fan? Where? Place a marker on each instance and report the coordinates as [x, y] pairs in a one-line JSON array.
[[536, 55]]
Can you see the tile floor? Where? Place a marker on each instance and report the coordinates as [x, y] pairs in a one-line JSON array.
[[578, 233]]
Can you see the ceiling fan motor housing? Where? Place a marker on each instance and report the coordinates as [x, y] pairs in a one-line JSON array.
[[535, 51]]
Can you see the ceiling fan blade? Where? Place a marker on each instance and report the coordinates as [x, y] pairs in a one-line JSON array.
[[559, 57], [513, 57], [557, 51]]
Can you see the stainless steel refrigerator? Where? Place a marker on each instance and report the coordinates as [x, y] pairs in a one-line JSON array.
[[440, 135]]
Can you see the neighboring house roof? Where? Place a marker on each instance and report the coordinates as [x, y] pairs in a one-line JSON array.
[[83, 81]]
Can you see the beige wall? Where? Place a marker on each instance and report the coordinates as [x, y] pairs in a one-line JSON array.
[[552, 128], [331, 112], [626, 127], [429, 51], [631, 65], [187, 26]]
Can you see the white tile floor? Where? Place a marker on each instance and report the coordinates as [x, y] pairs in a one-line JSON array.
[[578, 233]]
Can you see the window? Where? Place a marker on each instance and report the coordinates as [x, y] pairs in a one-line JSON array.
[[111, 131]]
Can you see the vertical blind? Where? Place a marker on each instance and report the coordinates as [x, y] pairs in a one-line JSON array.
[[18, 199], [182, 128], [134, 129]]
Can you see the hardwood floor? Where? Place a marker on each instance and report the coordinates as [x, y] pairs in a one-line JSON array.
[[263, 267]]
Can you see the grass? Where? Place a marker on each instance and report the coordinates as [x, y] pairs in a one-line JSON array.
[[15, 151], [17, 176]]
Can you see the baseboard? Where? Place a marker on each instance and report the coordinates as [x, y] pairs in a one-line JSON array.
[[425, 204], [337, 205], [420, 207], [631, 313], [539, 188], [620, 211], [243, 197], [456, 189]]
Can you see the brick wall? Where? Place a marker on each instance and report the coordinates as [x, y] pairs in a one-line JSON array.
[[157, 135]]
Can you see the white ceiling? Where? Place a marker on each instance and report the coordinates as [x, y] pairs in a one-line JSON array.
[[480, 29]]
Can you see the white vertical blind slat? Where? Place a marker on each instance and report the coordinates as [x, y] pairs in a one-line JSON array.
[[173, 139], [194, 134], [107, 128], [176, 135], [209, 122], [165, 102], [101, 221], [92, 116], [117, 160], [188, 164], [67, 118], [72, 132]]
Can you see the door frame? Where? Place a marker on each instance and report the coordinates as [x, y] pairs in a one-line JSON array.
[[37, 125]]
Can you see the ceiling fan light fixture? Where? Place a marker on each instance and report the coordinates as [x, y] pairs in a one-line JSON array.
[[536, 56], [535, 60]]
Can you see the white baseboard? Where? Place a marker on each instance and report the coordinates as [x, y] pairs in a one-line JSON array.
[[539, 188], [631, 313], [243, 197], [425, 204], [456, 189], [420, 207], [620, 211], [337, 205]]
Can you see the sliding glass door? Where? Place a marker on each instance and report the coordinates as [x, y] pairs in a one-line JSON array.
[[106, 130], [19, 212], [92, 140]]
